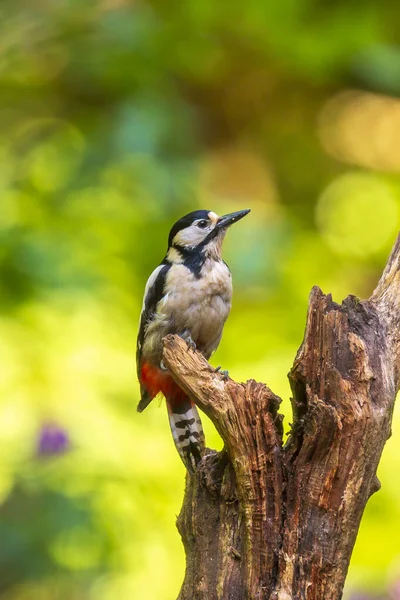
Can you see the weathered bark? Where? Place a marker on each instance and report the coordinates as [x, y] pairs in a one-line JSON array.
[[265, 521]]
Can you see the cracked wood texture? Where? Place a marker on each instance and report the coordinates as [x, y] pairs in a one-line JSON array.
[[266, 521]]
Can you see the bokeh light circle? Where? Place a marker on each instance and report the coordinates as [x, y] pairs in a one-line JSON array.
[[358, 214]]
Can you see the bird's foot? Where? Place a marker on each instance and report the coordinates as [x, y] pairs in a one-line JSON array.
[[225, 374], [188, 339]]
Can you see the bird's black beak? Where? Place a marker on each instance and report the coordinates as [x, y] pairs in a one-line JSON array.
[[228, 220]]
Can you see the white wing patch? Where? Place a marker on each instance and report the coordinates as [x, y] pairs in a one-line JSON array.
[[150, 282]]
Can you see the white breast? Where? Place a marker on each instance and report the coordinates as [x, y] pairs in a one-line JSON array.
[[199, 305]]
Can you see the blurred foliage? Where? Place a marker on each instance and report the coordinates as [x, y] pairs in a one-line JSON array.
[[116, 118]]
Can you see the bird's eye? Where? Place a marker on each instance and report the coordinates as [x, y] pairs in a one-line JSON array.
[[202, 224]]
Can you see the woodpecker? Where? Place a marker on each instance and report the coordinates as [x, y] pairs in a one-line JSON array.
[[188, 294]]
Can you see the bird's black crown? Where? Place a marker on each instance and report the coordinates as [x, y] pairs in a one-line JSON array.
[[186, 221]]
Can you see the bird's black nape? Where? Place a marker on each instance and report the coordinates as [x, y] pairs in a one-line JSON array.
[[186, 221]]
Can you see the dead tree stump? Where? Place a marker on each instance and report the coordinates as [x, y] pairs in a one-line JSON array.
[[263, 520]]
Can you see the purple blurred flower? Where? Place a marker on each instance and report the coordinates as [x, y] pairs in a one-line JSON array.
[[52, 440], [393, 594], [395, 591]]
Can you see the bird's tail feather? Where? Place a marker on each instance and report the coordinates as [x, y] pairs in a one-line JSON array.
[[145, 399], [187, 431]]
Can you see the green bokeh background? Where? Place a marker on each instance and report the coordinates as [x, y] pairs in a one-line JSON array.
[[116, 118]]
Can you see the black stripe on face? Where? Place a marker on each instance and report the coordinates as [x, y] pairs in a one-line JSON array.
[[193, 258]]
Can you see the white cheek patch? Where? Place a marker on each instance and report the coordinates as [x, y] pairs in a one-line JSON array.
[[191, 236]]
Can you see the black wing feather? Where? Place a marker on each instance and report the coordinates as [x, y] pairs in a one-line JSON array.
[[154, 295]]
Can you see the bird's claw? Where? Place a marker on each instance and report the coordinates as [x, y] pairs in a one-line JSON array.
[[188, 339], [225, 374], [191, 344]]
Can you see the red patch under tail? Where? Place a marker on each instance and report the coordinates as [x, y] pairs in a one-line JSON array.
[[184, 418], [155, 380]]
